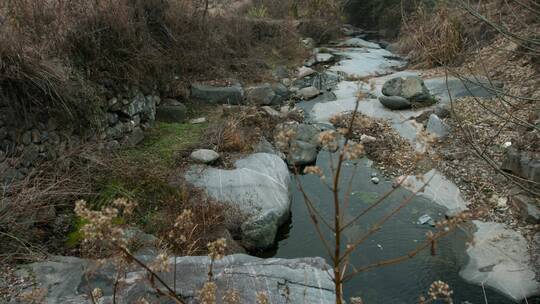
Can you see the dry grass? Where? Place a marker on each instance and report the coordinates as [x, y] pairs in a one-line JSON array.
[[36, 214], [389, 149], [67, 56], [433, 38], [240, 129]]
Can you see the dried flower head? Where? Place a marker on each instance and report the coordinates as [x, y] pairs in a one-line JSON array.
[[313, 170], [216, 249], [207, 294], [183, 226], [343, 131], [328, 140], [161, 263], [231, 296], [284, 138], [142, 300], [440, 290], [36, 295], [353, 151], [357, 300], [100, 227], [262, 298], [97, 293], [125, 205]]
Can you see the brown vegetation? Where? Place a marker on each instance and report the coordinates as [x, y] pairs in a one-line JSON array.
[[66, 57]]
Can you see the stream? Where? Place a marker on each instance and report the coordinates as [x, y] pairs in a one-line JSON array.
[[399, 283]]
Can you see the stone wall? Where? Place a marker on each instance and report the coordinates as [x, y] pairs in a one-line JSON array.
[[25, 142]]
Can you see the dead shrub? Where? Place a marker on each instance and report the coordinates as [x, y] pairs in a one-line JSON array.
[[433, 38]]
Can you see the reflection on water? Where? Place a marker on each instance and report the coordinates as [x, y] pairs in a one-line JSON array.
[[401, 283]]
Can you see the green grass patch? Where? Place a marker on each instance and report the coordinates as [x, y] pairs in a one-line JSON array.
[[164, 140]]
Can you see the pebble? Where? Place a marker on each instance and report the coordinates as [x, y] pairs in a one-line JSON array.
[[367, 139], [198, 120]]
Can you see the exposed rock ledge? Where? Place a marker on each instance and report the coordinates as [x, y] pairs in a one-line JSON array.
[[306, 280], [499, 258], [258, 188]]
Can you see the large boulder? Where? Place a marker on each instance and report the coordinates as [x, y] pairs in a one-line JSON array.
[[260, 95], [171, 111], [395, 102], [233, 94], [499, 258], [70, 280], [411, 88], [258, 188]]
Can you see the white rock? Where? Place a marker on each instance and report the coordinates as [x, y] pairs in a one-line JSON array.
[[198, 120], [324, 57], [258, 188], [499, 258], [309, 93], [304, 72], [270, 111], [204, 156], [439, 190], [367, 139], [437, 127], [305, 280], [358, 42]]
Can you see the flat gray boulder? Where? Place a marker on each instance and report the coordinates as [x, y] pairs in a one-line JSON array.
[[204, 156], [304, 72], [437, 127], [395, 102], [499, 258], [324, 58], [438, 190], [258, 188], [171, 111], [233, 94], [308, 93], [70, 280], [260, 95]]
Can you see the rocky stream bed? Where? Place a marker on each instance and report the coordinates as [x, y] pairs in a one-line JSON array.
[[497, 265]]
